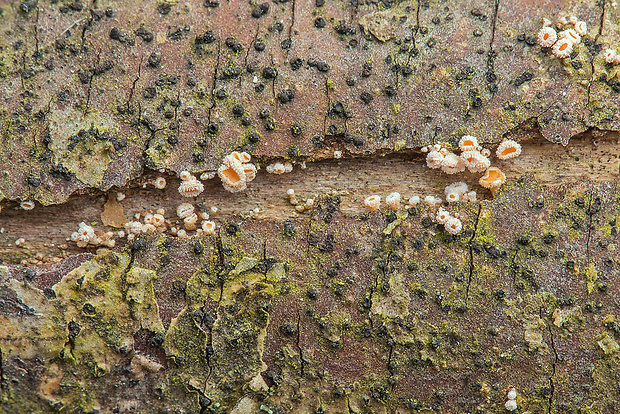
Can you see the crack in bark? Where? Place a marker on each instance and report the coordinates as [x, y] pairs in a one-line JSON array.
[[135, 81], [2, 386], [297, 343], [290, 29], [471, 253], [491, 53], [247, 51], [389, 364], [590, 213], [329, 104], [217, 67], [90, 84], [600, 32], [556, 359]]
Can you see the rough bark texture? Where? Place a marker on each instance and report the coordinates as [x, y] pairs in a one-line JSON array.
[[336, 310]]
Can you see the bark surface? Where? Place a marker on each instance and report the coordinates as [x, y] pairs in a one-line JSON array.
[[335, 310]]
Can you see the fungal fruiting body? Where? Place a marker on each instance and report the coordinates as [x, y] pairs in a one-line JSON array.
[[508, 149], [414, 201], [455, 191], [581, 28], [373, 202], [492, 179], [185, 210], [434, 159], [208, 227], [475, 161], [453, 197], [610, 55], [442, 216], [236, 171], [453, 225], [207, 175], [571, 35], [512, 394], [547, 36], [27, 205], [511, 405], [160, 183], [432, 200], [190, 186], [279, 168], [468, 143], [85, 235], [452, 164], [562, 48], [393, 201], [470, 197]]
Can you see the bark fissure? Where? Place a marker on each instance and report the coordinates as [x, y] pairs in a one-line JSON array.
[[471, 253], [302, 361], [556, 360]]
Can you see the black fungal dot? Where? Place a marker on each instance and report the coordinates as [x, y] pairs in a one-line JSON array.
[[389, 91], [289, 229], [164, 8], [296, 130], [149, 92], [366, 97], [237, 110], [145, 35], [198, 248], [269, 73], [320, 22], [221, 93], [297, 63], [286, 96], [322, 66], [213, 128], [259, 45], [154, 60], [232, 229], [269, 124], [205, 38], [88, 309]]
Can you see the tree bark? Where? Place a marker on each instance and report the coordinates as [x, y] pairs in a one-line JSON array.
[[334, 309]]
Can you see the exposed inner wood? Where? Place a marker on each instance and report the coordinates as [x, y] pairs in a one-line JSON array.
[[45, 229]]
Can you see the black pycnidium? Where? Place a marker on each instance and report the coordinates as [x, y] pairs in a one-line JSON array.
[[296, 130], [269, 73], [259, 45], [154, 60], [237, 110], [221, 93], [213, 128]]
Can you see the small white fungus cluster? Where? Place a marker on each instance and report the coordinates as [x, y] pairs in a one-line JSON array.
[[611, 56], [300, 205], [452, 224], [459, 191], [511, 400], [190, 186], [279, 168], [562, 43], [473, 157], [236, 171], [86, 235], [151, 223]]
